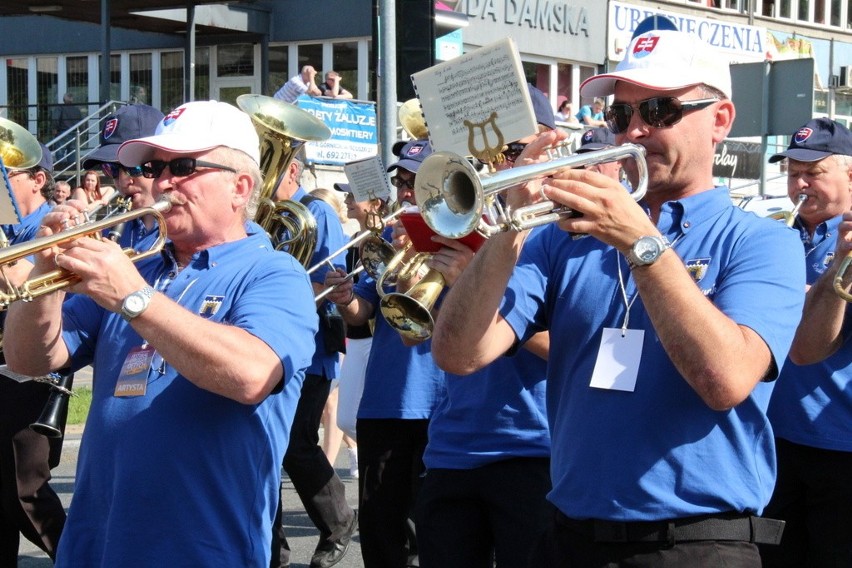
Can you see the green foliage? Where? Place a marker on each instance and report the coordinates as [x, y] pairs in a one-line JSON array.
[[78, 407]]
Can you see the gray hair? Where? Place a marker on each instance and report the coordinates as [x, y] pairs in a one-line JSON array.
[[241, 162]]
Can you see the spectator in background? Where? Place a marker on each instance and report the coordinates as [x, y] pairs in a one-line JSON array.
[[65, 117], [95, 195], [332, 87], [564, 112], [61, 192], [592, 115], [302, 84]]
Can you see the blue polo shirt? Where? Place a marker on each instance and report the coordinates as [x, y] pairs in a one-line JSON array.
[[400, 381], [181, 455], [812, 404], [658, 452], [28, 227], [494, 414], [330, 237]]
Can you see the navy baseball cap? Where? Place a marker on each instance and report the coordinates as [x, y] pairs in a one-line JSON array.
[[344, 187], [127, 123], [46, 162], [541, 108], [818, 139], [411, 155], [596, 139]]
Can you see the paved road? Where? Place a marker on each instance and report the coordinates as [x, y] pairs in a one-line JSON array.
[[301, 533]]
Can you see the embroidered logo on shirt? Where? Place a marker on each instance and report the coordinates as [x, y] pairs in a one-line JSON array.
[[826, 262], [211, 305], [697, 268]]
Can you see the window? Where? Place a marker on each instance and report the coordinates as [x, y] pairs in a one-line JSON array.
[[278, 61], [141, 78], [235, 60], [202, 73], [46, 95], [17, 92], [171, 80], [310, 54], [346, 64]]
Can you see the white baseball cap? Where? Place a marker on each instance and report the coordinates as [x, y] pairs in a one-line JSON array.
[[195, 127], [664, 60]]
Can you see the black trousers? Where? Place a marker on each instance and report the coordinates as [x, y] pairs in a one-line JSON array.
[[563, 546], [390, 468], [813, 494], [470, 518], [28, 504], [320, 489]]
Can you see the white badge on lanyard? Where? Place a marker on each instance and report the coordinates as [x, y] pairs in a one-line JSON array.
[[620, 352], [617, 365]]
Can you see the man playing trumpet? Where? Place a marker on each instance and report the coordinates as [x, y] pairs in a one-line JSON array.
[[195, 385], [668, 324], [811, 408]]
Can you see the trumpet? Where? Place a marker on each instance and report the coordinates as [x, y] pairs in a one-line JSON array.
[[453, 196], [789, 217], [374, 252], [60, 278]]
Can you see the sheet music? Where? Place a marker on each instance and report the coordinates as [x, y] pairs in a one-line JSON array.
[[461, 95], [368, 179]]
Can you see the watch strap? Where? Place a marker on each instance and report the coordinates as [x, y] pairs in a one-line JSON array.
[[147, 293], [633, 262]]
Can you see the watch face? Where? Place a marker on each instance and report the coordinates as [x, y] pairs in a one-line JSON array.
[[135, 303], [647, 249]]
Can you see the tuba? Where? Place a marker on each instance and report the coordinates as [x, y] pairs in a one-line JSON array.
[[19, 149], [283, 128]]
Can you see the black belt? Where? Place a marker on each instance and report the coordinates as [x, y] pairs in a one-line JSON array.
[[706, 527]]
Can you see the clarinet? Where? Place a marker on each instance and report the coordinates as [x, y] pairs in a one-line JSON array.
[[49, 423]]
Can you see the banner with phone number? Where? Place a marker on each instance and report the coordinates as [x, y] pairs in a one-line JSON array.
[[353, 130]]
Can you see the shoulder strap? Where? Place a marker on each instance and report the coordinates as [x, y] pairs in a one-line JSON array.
[[307, 198]]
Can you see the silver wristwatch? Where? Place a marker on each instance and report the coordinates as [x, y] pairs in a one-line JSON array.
[[646, 250], [136, 303]]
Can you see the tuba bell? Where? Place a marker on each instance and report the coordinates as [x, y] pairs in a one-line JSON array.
[[283, 129]]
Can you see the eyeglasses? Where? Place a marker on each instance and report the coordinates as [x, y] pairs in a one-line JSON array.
[[179, 167], [400, 183], [513, 150], [112, 169], [659, 112]]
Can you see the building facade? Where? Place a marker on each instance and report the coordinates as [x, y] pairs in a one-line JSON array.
[[257, 46]]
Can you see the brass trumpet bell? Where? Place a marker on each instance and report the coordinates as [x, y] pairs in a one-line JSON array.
[[453, 196], [19, 149], [410, 313]]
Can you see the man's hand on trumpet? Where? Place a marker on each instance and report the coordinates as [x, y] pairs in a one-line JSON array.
[[106, 273]]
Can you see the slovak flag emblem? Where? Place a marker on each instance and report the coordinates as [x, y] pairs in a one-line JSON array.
[[173, 116], [110, 127], [414, 150], [645, 46], [803, 134]]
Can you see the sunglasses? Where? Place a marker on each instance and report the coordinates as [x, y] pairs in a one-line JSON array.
[[112, 169], [659, 112], [400, 183], [179, 167], [513, 150]]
